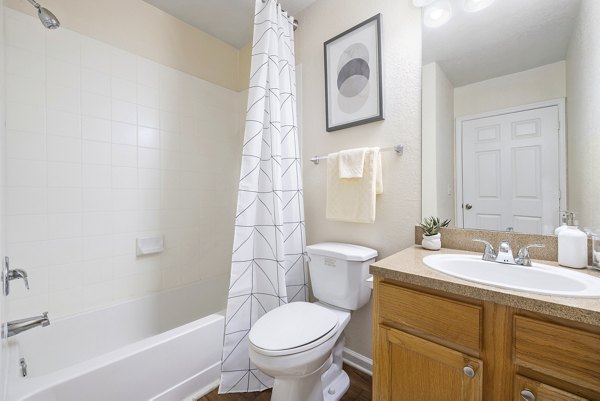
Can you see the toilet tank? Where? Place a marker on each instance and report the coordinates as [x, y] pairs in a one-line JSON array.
[[338, 273]]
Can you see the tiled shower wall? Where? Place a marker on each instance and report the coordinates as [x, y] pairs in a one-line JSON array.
[[104, 147]]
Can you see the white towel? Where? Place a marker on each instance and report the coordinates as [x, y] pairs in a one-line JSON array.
[[351, 163], [354, 199]]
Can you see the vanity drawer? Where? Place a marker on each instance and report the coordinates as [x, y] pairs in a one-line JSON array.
[[450, 320], [562, 352]]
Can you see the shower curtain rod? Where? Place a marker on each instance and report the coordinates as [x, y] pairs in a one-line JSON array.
[[296, 23], [399, 149]]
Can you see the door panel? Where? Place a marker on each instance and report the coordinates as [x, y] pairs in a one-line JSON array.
[[419, 370], [510, 171]]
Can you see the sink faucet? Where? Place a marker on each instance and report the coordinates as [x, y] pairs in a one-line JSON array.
[[505, 254], [18, 326]]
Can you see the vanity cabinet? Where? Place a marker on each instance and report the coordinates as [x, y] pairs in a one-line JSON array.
[[431, 345]]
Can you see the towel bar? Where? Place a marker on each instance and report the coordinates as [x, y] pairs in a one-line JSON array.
[[399, 149]]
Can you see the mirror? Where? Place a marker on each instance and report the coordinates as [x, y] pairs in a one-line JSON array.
[[511, 115]]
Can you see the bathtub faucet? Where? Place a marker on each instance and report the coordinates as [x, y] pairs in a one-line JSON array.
[[18, 326]]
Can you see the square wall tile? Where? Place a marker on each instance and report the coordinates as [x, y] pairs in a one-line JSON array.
[[63, 149], [148, 137], [26, 173], [63, 123], [64, 45], [95, 55], [124, 112], [95, 82], [24, 62], [96, 129], [64, 200], [96, 176], [63, 73], [96, 152], [94, 105], [125, 134], [23, 145], [64, 175]]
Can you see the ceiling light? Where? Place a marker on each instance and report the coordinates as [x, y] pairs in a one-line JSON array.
[[437, 14], [476, 5], [422, 3]]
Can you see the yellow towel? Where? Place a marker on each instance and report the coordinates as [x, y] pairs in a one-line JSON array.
[[354, 199], [351, 162]]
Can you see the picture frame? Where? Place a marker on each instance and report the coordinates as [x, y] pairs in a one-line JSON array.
[[353, 76]]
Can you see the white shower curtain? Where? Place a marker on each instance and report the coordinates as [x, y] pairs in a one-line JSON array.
[[268, 266]]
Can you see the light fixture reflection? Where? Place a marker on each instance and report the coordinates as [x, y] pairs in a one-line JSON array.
[[473, 6], [422, 3], [437, 14]]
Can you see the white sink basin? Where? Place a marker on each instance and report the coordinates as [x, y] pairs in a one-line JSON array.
[[539, 278]]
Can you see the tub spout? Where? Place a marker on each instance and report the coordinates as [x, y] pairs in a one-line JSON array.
[[18, 326]]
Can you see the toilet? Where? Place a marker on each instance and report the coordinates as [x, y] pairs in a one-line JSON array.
[[300, 344]]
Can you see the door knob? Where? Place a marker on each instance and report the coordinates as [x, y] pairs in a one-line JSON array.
[[527, 395], [469, 371], [468, 206]]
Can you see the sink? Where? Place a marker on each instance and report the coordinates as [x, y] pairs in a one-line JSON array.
[[539, 278]]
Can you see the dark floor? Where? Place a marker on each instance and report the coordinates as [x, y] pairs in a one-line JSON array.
[[360, 390]]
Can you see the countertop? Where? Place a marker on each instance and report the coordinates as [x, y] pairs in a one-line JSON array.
[[407, 266]]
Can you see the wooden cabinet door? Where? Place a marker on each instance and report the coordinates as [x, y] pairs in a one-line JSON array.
[[532, 390], [413, 369]]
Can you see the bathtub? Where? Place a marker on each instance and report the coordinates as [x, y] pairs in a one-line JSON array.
[[163, 347]]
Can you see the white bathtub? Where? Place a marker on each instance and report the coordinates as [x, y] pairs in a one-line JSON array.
[[160, 347]]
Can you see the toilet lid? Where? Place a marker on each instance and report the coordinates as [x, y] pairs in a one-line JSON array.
[[291, 326]]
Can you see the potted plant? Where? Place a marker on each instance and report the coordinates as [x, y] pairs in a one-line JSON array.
[[432, 239]]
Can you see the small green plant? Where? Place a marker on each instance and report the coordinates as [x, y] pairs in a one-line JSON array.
[[431, 225]]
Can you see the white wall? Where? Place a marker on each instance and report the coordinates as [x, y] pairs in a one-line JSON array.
[[105, 146], [142, 29], [399, 208], [438, 143], [583, 106], [535, 85]]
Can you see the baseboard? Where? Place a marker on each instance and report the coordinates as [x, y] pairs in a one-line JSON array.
[[358, 361]]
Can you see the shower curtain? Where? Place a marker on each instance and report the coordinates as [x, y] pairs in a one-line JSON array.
[[268, 267]]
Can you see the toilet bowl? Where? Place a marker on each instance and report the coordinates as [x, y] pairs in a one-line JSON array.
[[312, 330], [300, 344]]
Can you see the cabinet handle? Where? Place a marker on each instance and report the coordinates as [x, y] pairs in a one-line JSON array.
[[527, 395], [469, 371]]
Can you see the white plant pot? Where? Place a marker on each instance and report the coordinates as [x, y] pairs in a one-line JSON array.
[[432, 242]]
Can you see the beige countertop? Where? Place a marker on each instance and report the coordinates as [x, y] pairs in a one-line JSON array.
[[407, 266]]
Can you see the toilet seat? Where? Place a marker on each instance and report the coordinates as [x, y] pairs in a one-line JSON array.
[[292, 328]]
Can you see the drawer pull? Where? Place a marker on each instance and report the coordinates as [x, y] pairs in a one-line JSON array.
[[527, 395], [469, 371]]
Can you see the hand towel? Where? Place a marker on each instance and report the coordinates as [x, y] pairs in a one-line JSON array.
[[351, 163], [354, 199]]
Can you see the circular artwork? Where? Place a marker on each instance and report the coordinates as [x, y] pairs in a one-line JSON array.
[[353, 73]]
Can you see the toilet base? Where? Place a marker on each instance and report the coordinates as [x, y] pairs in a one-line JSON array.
[[336, 390], [335, 381]]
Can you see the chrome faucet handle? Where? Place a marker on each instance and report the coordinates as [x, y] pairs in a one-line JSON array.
[[9, 274], [523, 257], [18, 273], [488, 253]]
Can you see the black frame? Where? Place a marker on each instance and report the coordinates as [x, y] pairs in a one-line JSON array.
[[378, 117]]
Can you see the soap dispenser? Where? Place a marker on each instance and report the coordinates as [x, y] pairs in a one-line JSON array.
[[564, 216], [572, 245]]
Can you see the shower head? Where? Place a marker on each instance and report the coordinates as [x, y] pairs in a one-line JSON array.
[[48, 19]]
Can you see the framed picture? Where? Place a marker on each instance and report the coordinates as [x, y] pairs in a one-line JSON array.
[[353, 87]]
